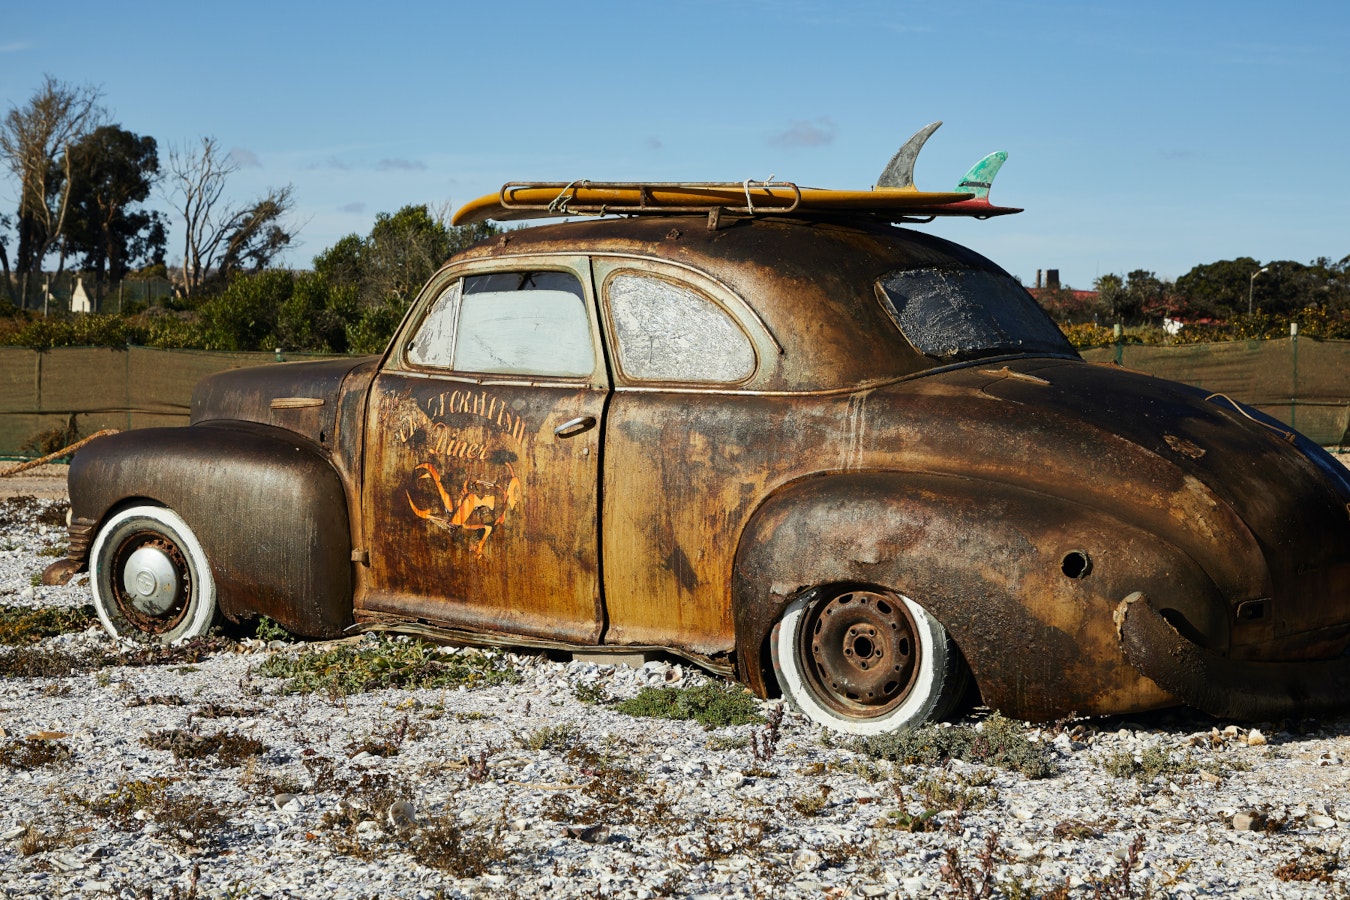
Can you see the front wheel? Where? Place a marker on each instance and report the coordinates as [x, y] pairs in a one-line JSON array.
[[150, 576], [867, 662]]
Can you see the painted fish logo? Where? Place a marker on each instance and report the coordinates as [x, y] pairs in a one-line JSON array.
[[480, 505]]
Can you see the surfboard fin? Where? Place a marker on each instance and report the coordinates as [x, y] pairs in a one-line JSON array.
[[899, 172], [980, 178]]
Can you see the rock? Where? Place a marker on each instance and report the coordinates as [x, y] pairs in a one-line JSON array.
[[402, 815], [732, 779], [1210, 778], [807, 860], [280, 801], [1255, 738], [1249, 820], [1320, 821], [590, 834]]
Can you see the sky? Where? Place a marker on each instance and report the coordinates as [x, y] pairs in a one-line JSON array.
[[1140, 135]]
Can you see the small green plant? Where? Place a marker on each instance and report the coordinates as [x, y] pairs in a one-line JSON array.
[[266, 629], [997, 742], [550, 737], [384, 663], [1152, 763], [713, 705], [595, 693]]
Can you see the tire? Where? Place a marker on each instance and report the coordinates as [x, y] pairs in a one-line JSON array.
[[867, 662], [150, 576]]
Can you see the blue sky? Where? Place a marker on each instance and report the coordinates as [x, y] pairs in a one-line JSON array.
[[1153, 135]]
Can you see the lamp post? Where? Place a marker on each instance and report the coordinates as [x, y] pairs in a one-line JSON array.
[[1251, 285]]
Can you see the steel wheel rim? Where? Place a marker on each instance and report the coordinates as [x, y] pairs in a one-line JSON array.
[[859, 652], [137, 612]]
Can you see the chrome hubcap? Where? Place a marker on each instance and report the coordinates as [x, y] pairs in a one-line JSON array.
[[150, 580]]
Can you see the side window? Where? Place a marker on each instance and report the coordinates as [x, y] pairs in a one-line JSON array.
[[435, 338], [509, 323], [669, 332]]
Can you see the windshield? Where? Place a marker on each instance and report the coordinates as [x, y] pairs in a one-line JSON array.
[[964, 313]]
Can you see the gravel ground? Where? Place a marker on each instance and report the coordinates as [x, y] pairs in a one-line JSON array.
[[198, 776]]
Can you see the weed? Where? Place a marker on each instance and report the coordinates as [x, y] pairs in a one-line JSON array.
[[229, 747], [997, 742], [35, 840], [219, 711], [978, 883], [55, 549], [1312, 865], [763, 745], [442, 843], [387, 739], [713, 705], [20, 625], [36, 662], [1118, 885], [550, 737], [938, 794], [31, 753], [478, 767], [187, 818], [812, 804], [386, 662], [726, 836], [727, 742], [1078, 830]]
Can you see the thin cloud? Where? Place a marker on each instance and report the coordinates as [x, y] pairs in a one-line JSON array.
[[14, 46], [357, 208], [654, 143], [245, 159], [401, 165], [816, 133]]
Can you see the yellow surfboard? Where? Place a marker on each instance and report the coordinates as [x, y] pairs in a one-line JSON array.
[[894, 197]]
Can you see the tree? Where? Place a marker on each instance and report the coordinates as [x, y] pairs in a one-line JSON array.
[[220, 237], [1111, 295], [1218, 289], [387, 268], [36, 142], [5, 224], [113, 171]]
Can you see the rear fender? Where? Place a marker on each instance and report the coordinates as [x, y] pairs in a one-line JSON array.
[[1025, 583], [266, 505]]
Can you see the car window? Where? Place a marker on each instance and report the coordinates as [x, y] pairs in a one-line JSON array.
[[508, 323], [964, 313], [670, 332]]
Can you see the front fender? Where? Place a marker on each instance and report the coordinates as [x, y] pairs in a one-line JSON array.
[[1025, 583], [266, 505]]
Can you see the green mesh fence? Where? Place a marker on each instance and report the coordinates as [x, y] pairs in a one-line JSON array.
[[1298, 380], [97, 387]]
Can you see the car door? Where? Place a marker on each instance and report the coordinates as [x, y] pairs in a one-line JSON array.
[[481, 463]]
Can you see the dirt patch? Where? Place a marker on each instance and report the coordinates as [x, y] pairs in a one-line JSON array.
[[43, 482]]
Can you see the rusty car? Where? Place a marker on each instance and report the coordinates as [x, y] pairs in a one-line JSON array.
[[804, 446]]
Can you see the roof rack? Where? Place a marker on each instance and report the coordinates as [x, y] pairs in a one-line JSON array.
[[650, 197]]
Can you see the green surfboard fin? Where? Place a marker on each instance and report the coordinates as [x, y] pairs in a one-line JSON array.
[[980, 178]]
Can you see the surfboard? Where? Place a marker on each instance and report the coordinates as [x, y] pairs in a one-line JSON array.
[[895, 197]]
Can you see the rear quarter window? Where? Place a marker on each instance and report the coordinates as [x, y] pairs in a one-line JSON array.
[[965, 313]]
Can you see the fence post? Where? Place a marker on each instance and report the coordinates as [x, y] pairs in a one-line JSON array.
[[1293, 392], [1118, 333]]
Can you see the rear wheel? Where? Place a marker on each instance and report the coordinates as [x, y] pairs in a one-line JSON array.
[[150, 576], [867, 662]]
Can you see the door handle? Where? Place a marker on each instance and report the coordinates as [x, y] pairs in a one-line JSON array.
[[575, 426]]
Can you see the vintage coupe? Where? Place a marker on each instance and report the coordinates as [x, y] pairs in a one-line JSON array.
[[800, 446]]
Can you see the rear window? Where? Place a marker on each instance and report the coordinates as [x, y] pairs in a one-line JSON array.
[[965, 313]]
